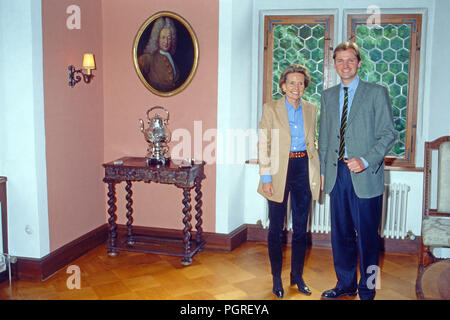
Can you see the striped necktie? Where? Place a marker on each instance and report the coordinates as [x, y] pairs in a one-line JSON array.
[[343, 124]]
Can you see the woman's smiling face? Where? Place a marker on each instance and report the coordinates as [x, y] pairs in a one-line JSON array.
[[294, 87]]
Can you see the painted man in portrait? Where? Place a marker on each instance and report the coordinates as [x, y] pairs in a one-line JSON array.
[[156, 62]]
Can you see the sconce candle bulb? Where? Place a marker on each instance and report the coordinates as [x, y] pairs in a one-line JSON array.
[[88, 65]]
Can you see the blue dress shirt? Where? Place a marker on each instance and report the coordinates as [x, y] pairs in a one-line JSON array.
[[298, 143]]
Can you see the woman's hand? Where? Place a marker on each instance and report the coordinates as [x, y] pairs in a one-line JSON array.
[[268, 189]]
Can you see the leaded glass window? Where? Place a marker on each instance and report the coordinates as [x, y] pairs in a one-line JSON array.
[[390, 56], [299, 40]]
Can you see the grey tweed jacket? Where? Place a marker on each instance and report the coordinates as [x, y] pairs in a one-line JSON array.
[[370, 134]]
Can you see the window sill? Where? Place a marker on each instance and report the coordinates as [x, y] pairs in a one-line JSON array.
[[386, 168]]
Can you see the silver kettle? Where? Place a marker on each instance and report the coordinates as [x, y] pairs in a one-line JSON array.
[[158, 136]]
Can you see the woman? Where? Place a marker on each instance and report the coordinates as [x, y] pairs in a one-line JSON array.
[[289, 163]]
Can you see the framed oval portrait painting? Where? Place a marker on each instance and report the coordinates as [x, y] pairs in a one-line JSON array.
[[165, 53]]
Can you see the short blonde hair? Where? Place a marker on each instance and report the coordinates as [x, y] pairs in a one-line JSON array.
[[294, 68], [345, 46]]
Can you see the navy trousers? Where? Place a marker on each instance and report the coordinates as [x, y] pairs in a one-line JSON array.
[[297, 183], [354, 228]]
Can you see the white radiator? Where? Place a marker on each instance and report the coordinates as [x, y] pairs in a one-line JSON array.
[[319, 219], [394, 213]]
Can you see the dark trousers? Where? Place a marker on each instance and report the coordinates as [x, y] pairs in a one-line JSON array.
[[354, 228], [297, 183]]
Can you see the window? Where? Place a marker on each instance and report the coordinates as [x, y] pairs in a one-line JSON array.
[[390, 56], [302, 40]]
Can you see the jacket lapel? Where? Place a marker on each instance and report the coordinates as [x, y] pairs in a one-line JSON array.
[[335, 110], [357, 102], [282, 113], [307, 120]]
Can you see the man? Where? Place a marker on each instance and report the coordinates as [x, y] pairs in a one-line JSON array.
[[156, 63], [352, 155]]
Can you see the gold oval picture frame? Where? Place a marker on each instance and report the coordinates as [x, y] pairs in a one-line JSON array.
[[165, 53]]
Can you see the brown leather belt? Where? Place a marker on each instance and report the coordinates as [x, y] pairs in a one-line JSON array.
[[299, 154]]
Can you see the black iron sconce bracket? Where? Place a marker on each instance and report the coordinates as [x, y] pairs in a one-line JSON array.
[[74, 78]]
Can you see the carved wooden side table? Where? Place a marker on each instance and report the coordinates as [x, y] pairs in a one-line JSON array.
[[133, 169]]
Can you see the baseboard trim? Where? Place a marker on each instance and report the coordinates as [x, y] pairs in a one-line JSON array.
[[401, 245], [257, 233], [36, 269], [41, 269]]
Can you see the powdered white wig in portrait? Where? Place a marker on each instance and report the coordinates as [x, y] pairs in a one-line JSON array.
[[161, 23]]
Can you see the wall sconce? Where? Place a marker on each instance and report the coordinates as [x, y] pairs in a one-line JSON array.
[[88, 65]]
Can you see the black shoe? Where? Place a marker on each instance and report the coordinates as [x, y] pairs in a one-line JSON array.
[[336, 293], [278, 287], [302, 287]]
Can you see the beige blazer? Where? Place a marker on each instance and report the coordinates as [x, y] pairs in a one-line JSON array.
[[274, 144]]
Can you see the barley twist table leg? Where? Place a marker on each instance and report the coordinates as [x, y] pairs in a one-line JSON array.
[[198, 209], [187, 260], [112, 226], [129, 206]]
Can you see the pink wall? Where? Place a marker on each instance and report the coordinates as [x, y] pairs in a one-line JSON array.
[[126, 100], [73, 122], [98, 122]]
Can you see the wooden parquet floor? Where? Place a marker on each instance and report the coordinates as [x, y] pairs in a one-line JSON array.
[[242, 274]]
